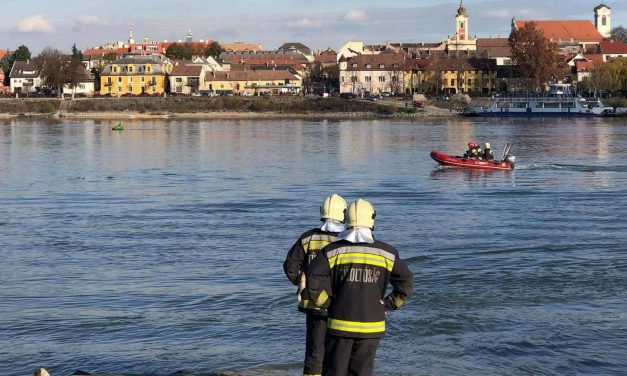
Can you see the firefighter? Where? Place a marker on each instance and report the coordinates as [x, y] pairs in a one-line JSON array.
[[298, 258], [487, 152], [350, 278]]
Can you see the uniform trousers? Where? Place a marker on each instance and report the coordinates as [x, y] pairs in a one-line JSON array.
[[349, 356], [314, 344]]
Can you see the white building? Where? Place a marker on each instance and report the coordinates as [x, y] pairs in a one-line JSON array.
[[603, 19], [25, 77], [461, 41]]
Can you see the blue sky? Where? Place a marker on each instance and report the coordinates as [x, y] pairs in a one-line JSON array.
[[317, 23]]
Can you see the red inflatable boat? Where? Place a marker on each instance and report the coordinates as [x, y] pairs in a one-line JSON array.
[[448, 160]]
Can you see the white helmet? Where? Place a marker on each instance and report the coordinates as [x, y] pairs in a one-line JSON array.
[[333, 207], [486, 145], [360, 213]]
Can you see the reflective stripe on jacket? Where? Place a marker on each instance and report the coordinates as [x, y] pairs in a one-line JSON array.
[[354, 279], [304, 250]]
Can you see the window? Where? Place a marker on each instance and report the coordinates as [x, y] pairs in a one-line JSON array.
[[368, 65], [452, 82], [120, 80], [354, 65], [354, 79], [604, 20], [368, 79], [130, 80], [469, 82], [381, 65], [343, 79], [461, 25], [115, 69], [179, 79], [143, 79], [394, 79], [381, 78], [130, 69]]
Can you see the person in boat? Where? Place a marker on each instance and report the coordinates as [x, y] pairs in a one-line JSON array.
[[306, 248], [479, 152], [350, 278], [471, 153], [487, 152]]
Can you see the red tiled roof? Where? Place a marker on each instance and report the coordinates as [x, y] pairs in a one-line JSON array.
[[492, 42], [388, 61], [585, 66], [240, 47], [101, 51], [565, 30], [613, 48], [183, 69], [595, 57], [326, 57]]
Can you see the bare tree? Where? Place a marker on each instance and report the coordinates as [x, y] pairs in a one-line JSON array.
[[536, 57]]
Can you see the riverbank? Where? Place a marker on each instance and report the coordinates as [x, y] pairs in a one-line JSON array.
[[214, 108]]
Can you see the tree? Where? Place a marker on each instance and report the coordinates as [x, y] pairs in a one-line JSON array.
[[179, 51], [51, 63], [619, 34], [536, 57], [21, 54], [214, 50], [76, 53]]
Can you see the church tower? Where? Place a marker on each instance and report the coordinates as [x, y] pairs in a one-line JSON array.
[[461, 23], [190, 38], [602, 19], [462, 41]]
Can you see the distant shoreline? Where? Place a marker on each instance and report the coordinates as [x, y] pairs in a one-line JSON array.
[[216, 108]]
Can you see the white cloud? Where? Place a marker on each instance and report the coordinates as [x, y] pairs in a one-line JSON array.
[[305, 23], [91, 21], [355, 15], [35, 24]]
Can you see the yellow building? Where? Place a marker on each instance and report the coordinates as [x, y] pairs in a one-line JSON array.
[[451, 75], [135, 75], [253, 82]]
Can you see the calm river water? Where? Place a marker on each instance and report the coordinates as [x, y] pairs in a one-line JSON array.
[[159, 248]]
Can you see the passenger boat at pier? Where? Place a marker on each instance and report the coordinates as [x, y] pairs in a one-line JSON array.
[[558, 102]]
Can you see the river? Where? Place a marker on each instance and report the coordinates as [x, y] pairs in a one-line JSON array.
[[159, 248]]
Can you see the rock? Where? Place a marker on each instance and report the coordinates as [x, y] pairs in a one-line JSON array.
[[80, 372], [41, 372]]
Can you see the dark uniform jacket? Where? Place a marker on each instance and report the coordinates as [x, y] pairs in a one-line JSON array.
[[300, 255], [351, 280]]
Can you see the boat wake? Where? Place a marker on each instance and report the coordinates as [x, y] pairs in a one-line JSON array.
[[571, 167]]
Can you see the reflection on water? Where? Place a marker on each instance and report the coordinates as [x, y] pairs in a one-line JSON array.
[[159, 248]]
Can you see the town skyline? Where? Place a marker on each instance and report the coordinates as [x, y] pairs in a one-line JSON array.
[[319, 24]]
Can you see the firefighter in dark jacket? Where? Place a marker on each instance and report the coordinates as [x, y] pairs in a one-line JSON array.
[[487, 152], [350, 278], [298, 258]]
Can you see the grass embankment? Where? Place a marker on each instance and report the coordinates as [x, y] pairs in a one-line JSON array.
[[195, 105]]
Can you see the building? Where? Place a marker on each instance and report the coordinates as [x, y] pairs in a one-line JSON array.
[[187, 77], [497, 49], [297, 47], [462, 40], [571, 35], [84, 87], [249, 83], [135, 75], [3, 88], [242, 47], [373, 74], [613, 50], [25, 78], [451, 76], [603, 20], [243, 57]]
